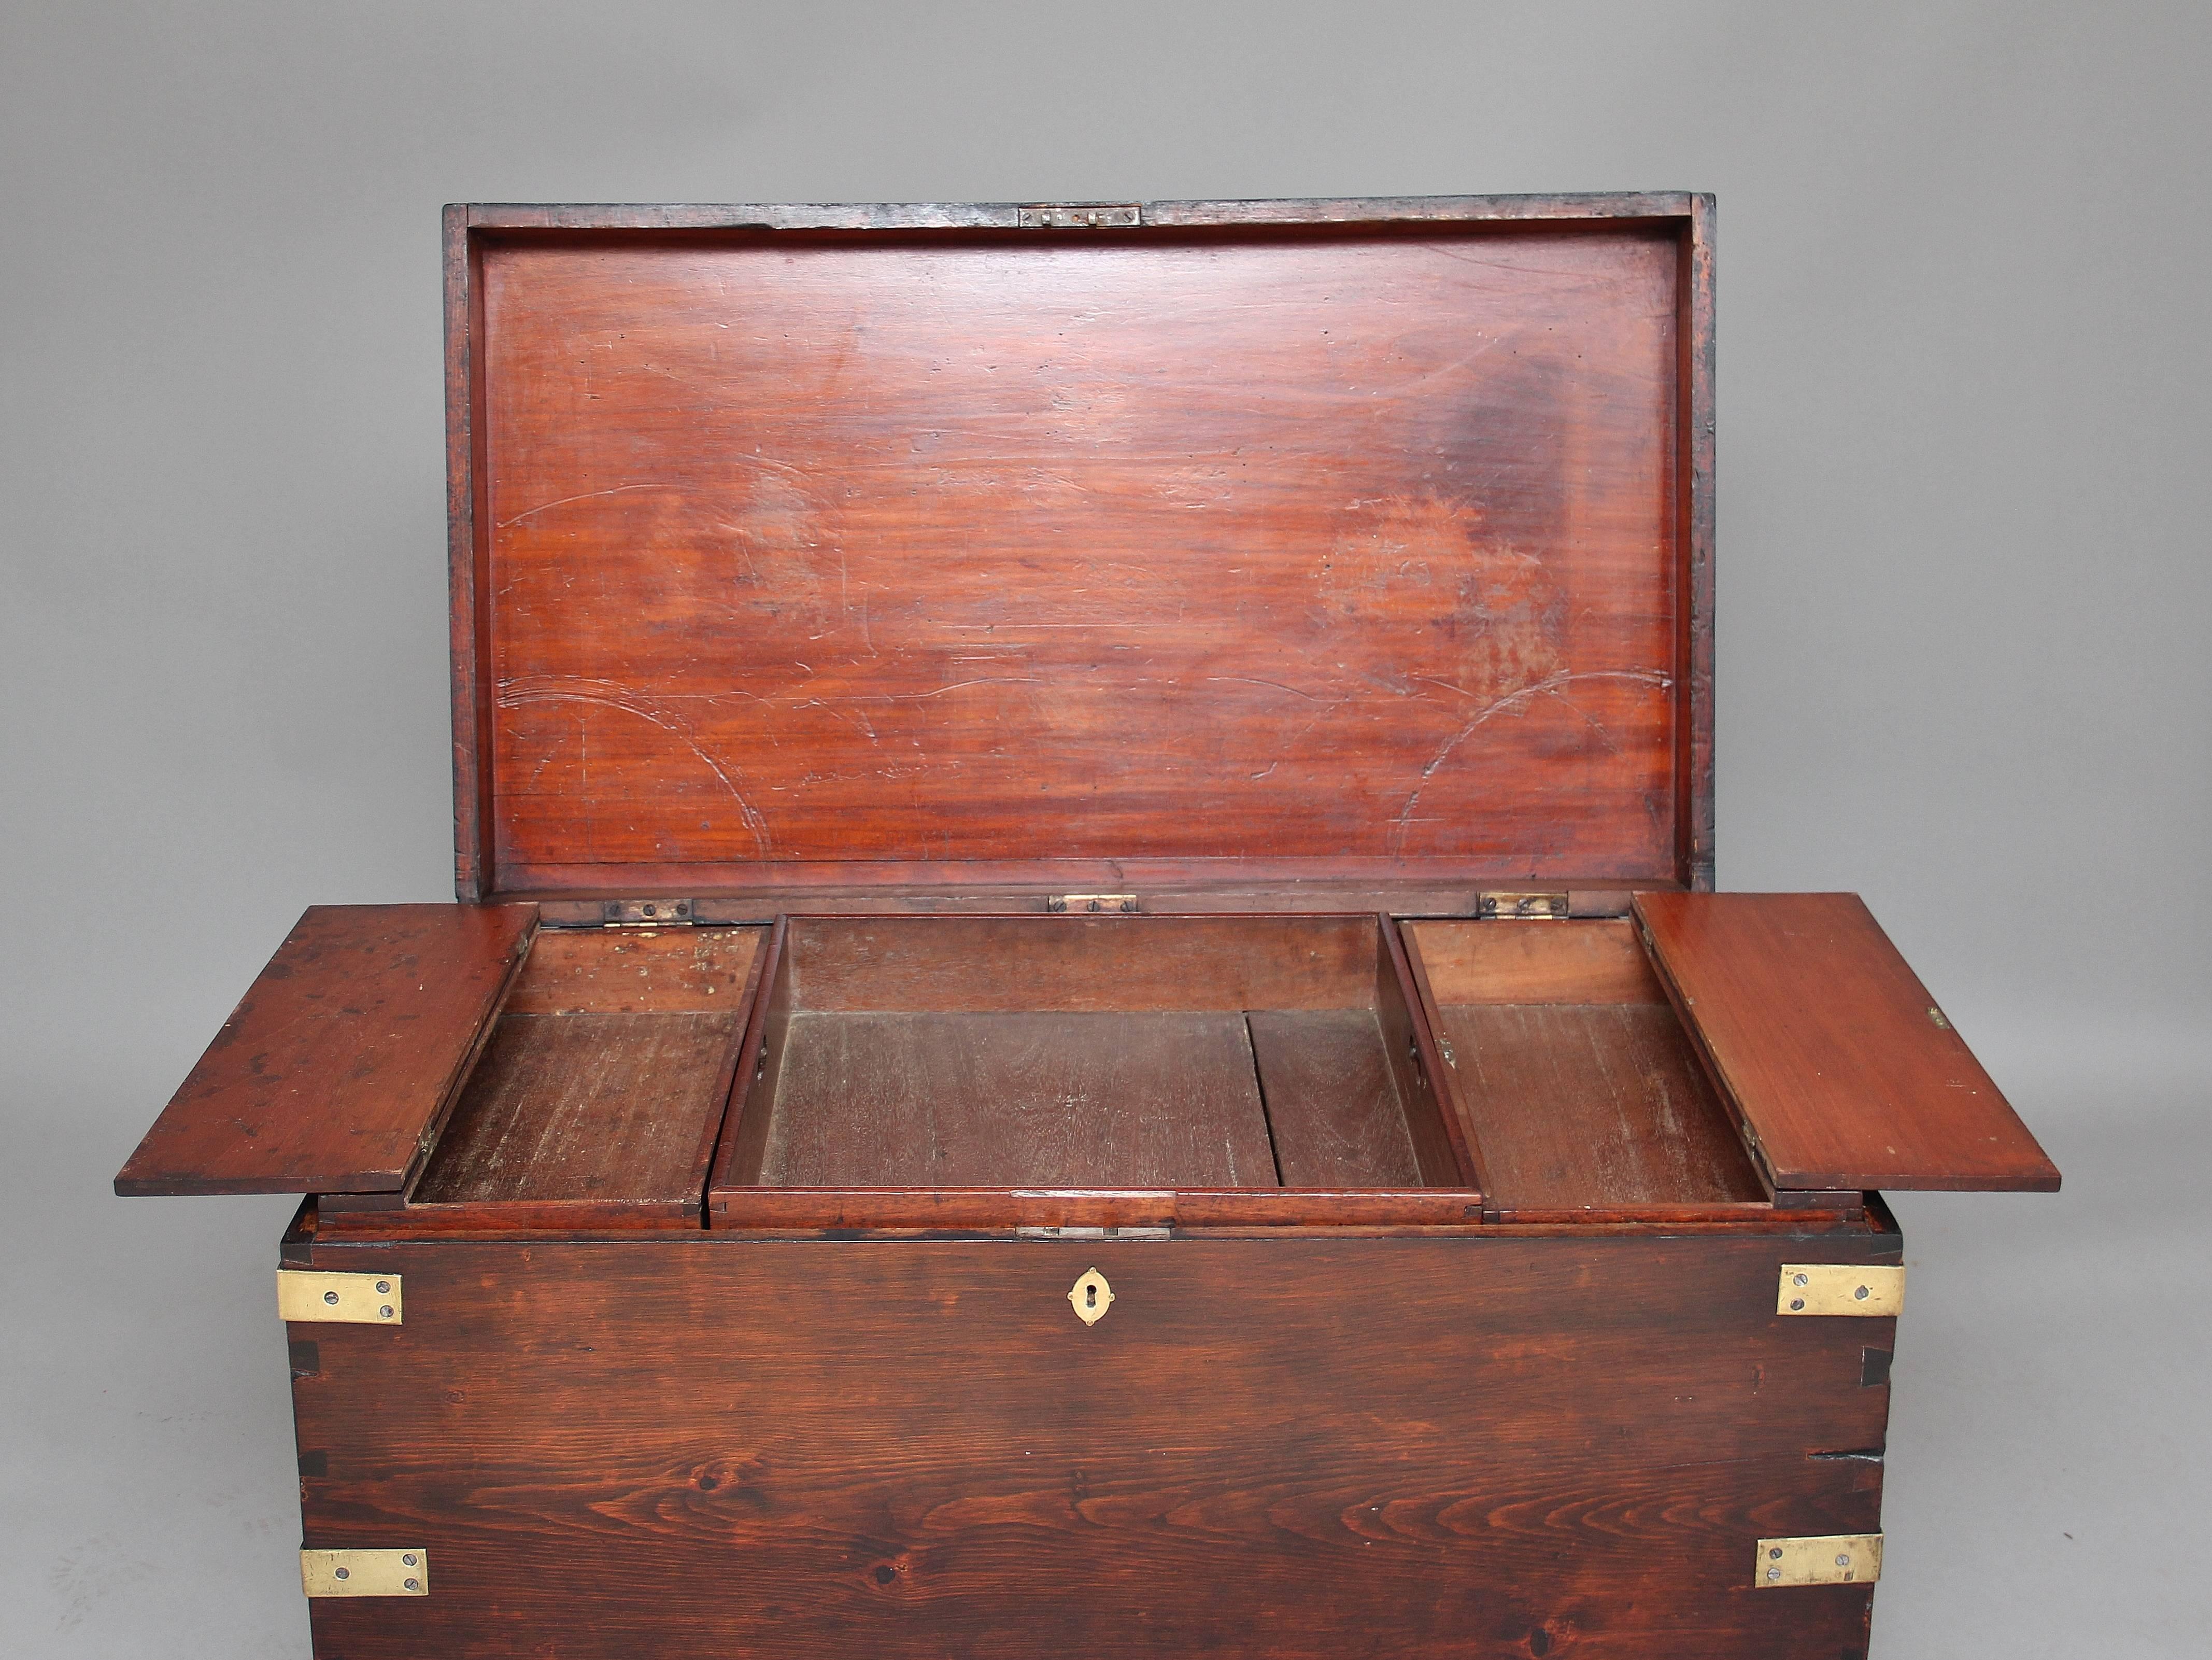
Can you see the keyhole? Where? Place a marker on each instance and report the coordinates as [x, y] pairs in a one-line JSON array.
[[1091, 1297]]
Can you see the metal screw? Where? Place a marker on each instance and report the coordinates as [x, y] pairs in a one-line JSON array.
[[1842, 1561], [382, 1286], [342, 1573], [1796, 1304], [1775, 1554], [1773, 1573], [407, 1560], [330, 1297], [385, 1311], [1801, 1280], [413, 1584], [1861, 1293]]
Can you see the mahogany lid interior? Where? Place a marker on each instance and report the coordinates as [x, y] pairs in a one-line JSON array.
[[912, 556]]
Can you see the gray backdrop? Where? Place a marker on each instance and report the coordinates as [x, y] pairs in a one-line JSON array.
[[1964, 395]]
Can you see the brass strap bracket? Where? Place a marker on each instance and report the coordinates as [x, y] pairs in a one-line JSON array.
[[365, 1573], [1834, 1558], [1876, 1291], [357, 1299]]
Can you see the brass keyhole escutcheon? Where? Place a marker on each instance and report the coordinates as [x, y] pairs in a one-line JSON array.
[[1091, 1297]]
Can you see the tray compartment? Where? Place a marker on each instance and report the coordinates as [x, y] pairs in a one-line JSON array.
[[604, 1082], [1580, 1087], [1214, 1054]]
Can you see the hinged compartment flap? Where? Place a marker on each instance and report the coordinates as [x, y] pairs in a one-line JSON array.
[[1842, 1069], [335, 1072]]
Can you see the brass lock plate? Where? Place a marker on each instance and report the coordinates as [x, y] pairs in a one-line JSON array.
[[1836, 1559], [1091, 1297], [363, 1299], [366, 1573], [1872, 1290]]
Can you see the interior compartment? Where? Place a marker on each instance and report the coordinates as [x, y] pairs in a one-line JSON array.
[[605, 1078], [1209, 1053], [1577, 1083]]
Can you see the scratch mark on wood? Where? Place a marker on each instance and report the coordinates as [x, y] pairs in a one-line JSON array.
[[1025, 628], [563, 501], [1548, 686], [1246, 680], [859, 721], [918, 696], [784, 467], [1576, 279], [514, 694]]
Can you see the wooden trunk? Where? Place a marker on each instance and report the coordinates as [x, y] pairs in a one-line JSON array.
[[1502, 1442], [1084, 1013]]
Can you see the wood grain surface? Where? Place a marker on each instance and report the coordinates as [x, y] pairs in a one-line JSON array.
[[587, 1106], [1083, 963], [1442, 1147], [689, 970], [1574, 962], [1334, 1110], [963, 1100], [1473, 1446], [1599, 1104], [1010, 1213], [1846, 1071], [1361, 547], [1582, 1089], [335, 1072], [910, 1065]]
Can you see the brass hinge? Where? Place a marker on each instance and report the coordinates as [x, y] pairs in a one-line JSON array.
[[1092, 216], [1125, 902], [365, 1573], [1094, 1233], [1834, 1558], [1521, 907], [354, 1299], [648, 914], [1876, 1291]]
